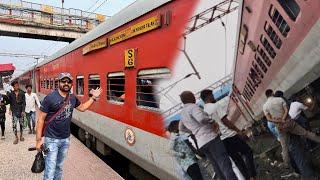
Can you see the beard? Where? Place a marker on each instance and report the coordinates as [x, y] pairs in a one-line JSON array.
[[65, 88]]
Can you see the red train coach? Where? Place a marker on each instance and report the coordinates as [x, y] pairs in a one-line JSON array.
[[126, 56]]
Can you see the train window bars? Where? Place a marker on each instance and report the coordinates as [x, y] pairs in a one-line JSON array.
[[115, 87], [272, 35], [148, 89], [94, 82], [291, 8], [51, 84], [56, 84], [263, 55], [80, 85], [47, 84], [278, 20], [264, 41], [261, 64]]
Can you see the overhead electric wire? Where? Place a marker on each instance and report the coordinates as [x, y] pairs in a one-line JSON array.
[[93, 5]]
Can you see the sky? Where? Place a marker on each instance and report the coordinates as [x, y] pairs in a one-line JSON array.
[[44, 47]]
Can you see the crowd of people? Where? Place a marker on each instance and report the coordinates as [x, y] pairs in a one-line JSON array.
[[288, 124], [22, 108], [207, 131]]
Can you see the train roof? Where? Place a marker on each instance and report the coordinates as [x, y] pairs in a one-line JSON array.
[[131, 12]]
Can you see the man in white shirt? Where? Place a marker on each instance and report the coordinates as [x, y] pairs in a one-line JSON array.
[[231, 136], [194, 120], [31, 100], [295, 111], [276, 110]]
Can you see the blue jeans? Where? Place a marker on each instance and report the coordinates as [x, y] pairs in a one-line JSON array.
[[58, 149], [272, 127], [31, 116], [15, 121]]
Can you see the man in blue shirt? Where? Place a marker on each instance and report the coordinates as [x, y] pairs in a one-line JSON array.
[[55, 119]]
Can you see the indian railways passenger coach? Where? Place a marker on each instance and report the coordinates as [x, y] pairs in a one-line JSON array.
[[126, 56], [278, 48]]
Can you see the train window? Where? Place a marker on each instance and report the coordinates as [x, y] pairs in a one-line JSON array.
[[255, 78], [273, 35], [148, 87], [257, 69], [115, 87], [245, 95], [291, 7], [51, 84], [267, 46], [250, 90], [261, 64], [56, 84], [246, 89], [251, 85], [94, 81], [264, 56], [278, 20], [243, 38], [80, 85], [47, 84]]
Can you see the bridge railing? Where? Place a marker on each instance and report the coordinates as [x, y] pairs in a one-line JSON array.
[[30, 13]]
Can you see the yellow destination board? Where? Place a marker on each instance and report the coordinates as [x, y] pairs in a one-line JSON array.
[[129, 58], [139, 28], [98, 44], [47, 9]]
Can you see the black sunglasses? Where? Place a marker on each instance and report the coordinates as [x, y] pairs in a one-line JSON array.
[[66, 81]]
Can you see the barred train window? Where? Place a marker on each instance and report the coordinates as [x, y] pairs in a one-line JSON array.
[[291, 7], [267, 46], [80, 85], [257, 69], [51, 84], [273, 35], [264, 56], [279, 21], [56, 84], [94, 82], [115, 87], [47, 84], [261, 64], [148, 89]]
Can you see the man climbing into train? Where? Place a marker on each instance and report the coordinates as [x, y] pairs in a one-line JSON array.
[[54, 123], [231, 136], [17, 106], [195, 121], [276, 110]]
